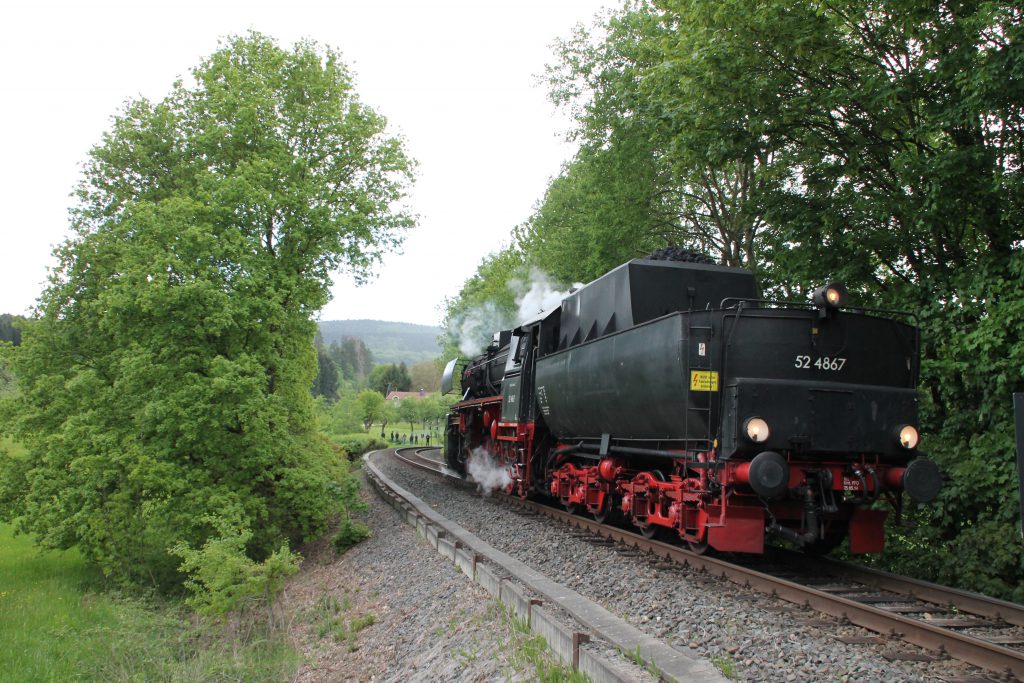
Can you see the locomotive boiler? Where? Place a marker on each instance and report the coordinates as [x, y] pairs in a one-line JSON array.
[[669, 394]]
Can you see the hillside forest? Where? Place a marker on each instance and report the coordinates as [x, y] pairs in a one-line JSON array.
[[391, 342], [877, 144]]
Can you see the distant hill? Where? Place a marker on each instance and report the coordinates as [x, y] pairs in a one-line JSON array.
[[390, 342]]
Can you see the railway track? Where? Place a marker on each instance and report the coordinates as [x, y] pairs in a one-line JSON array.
[[970, 627], [417, 457]]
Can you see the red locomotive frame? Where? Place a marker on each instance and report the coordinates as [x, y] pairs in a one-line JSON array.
[[684, 502]]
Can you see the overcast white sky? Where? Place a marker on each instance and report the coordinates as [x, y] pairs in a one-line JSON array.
[[458, 79]]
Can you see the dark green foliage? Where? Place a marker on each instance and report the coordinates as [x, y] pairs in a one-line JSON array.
[[352, 357], [387, 378], [10, 328], [165, 382], [901, 121], [355, 445], [976, 363], [350, 533], [325, 383]]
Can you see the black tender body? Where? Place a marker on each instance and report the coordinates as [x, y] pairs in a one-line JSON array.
[[626, 360]]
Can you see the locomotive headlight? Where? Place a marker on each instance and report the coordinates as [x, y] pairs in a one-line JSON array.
[[757, 430], [829, 296], [908, 437]]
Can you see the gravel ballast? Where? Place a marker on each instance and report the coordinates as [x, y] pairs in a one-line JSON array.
[[421, 619], [747, 635]]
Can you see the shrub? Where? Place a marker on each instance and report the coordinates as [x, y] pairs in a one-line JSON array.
[[223, 579], [355, 445], [349, 534]]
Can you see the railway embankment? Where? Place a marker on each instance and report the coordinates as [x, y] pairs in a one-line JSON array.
[[392, 609]]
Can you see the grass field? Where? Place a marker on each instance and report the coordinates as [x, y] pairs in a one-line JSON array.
[[59, 622]]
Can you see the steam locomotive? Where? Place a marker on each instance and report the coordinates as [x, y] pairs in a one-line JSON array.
[[667, 393]]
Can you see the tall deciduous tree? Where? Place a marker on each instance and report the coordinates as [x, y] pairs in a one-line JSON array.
[[165, 382], [641, 179], [371, 407], [875, 142], [880, 143], [408, 411], [899, 127]]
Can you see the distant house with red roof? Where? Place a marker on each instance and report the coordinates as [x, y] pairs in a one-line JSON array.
[[397, 396]]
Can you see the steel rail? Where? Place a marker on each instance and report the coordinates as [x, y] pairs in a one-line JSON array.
[[963, 601], [959, 646], [420, 461]]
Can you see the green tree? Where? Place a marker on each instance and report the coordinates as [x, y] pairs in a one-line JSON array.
[[326, 381], [340, 417], [10, 328], [878, 143], [389, 415], [408, 411], [432, 410], [898, 127], [643, 178], [425, 375], [597, 214], [371, 407], [485, 304], [165, 382], [390, 377], [10, 333], [352, 357]]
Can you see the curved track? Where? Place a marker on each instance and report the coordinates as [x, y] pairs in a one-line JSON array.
[[417, 457], [928, 615]]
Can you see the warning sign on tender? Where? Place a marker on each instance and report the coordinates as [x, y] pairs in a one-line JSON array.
[[703, 380]]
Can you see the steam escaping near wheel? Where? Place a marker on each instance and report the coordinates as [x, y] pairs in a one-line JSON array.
[[488, 474]]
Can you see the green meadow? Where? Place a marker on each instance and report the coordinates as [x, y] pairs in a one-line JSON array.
[[60, 621]]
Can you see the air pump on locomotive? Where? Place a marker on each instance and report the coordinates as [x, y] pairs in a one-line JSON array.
[[667, 393]]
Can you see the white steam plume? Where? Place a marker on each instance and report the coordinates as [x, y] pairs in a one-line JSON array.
[[474, 329], [488, 474], [537, 293], [534, 294]]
